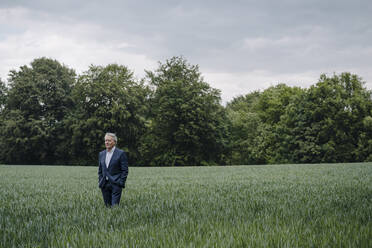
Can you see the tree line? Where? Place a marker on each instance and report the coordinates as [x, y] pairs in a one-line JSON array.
[[172, 117]]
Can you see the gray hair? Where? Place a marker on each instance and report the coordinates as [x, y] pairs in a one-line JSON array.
[[113, 136]]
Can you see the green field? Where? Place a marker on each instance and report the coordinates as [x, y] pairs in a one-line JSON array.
[[327, 205]]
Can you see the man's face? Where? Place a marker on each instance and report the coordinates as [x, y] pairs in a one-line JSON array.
[[109, 142]]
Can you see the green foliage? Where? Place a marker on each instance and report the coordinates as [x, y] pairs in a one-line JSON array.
[[107, 99], [273, 102], [3, 99], [246, 103], [325, 124], [244, 122], [329, 122], [254, 121], [48, 115], [186, 124], [327, 205], [364, 150], [3, 95], [38, 99]]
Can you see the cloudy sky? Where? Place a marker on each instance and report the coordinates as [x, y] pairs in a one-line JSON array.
[[239, 45]]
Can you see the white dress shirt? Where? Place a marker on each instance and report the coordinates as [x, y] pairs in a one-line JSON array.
[[109, 156]]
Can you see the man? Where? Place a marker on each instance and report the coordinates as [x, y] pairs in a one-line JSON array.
[[112, 171]]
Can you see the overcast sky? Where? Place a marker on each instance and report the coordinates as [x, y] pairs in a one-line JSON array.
[[240, 46]]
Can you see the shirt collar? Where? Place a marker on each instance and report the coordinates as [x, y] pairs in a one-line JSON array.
[[112, 150]]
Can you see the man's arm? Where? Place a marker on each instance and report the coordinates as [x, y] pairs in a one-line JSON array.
[[124, 169], [99, 169]]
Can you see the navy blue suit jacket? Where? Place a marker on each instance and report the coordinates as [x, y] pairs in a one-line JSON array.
[[116, 172]]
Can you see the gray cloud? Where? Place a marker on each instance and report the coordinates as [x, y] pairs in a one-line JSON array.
[[262, 42]]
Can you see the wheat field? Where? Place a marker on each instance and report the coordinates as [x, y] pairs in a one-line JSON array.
[[318, 205]]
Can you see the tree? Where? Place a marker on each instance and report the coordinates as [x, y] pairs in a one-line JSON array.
[[3, 95], [326, 124], [38, 99], [364, 149], [267, 147], [244, 124], [3, 98], [107, 99], [273, 101], [186, 124]]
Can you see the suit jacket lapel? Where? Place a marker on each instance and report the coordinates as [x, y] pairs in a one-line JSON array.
[[103, 162], [112, 158]]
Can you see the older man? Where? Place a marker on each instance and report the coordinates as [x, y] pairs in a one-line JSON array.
[[112, 171]]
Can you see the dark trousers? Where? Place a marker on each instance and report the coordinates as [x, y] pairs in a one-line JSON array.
[[111, 194]]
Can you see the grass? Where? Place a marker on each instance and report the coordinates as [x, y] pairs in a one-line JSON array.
[[322, 205]]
